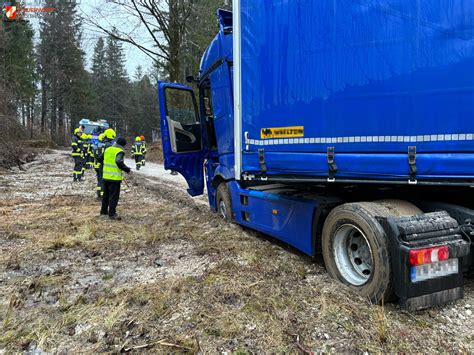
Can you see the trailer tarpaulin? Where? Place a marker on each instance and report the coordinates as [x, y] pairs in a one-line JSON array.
[[368, 79]]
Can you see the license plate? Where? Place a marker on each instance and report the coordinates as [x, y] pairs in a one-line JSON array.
[[434, 270]]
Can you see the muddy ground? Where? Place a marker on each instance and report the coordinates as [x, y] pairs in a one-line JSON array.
[[171, 276]]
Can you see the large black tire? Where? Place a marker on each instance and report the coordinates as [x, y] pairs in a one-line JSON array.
[[378, 283], [224, 202]]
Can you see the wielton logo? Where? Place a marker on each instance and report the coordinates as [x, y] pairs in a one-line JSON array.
[[10, 12]]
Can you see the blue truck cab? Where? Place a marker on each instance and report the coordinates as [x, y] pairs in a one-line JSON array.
[[343, 129]]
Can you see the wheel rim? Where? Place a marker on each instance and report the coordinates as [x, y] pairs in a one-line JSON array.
[[223, 209], [353, 255]]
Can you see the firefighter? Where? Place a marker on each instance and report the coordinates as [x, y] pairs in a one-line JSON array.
[[144, 150], [109, 137], [84, 153], [76, 145], [113, 168], [85, 146], [106, 140], [90, 157], [88, 153], [93, 146], [137, 152], [98, 152]]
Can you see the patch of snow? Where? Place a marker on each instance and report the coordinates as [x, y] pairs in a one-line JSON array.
[[158, 171]]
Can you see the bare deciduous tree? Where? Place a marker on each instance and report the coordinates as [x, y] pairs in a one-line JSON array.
[[165, 22]]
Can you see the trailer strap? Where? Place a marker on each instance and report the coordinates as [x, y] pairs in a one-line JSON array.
[[261, 160], [332, 167], [412, 164]]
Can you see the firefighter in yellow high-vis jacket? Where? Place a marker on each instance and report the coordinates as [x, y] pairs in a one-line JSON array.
[[112, 174]]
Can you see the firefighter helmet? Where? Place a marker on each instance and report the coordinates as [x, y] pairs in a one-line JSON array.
[[110, 134]]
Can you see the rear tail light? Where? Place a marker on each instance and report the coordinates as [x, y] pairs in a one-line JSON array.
[[428, 255]]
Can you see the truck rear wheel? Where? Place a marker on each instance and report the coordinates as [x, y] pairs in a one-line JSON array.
[[356, 250], [224, 202]]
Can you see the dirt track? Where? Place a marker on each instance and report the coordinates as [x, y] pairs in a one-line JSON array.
[[172, 277]]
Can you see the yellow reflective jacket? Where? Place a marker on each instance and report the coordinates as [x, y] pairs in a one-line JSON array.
[[111, 171]]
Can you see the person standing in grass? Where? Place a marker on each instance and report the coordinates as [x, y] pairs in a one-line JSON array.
[[76, 145], [144, 149], [98, 151], [85, 150], [113, 168]]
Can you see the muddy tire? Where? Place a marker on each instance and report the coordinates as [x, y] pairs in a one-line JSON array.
[[356, 250], [224, 202]]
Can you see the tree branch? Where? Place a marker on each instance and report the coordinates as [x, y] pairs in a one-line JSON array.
[[150, 53]]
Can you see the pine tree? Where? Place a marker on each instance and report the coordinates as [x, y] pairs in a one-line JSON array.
[[17, 75], [116, 98], [197, 38], [81, 98], [64, 79], [144, 106], [149, 104], [99, 79], [138, 73]]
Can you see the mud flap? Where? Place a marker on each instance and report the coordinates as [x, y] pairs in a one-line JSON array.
[[424, 231], [465, 218]]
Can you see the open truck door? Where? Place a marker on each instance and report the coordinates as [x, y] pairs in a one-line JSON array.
[[181, 132]]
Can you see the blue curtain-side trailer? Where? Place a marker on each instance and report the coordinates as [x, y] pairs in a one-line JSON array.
[[343, 128]]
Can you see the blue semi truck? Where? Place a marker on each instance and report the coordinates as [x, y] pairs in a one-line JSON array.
[[343, 128]]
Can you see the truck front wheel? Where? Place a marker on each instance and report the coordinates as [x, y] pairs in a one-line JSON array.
[[356, 250], [224, 203]]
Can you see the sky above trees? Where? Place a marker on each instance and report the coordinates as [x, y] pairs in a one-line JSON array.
[[107, 14], [77, 62]]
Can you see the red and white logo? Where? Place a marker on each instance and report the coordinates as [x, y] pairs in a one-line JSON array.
[[10, 11]]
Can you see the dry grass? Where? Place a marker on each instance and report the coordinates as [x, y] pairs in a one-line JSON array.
[[155, 153], [172, 277]]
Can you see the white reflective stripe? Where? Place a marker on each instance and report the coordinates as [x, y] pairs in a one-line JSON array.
[[366, 139], [111, 166], [112, 173]]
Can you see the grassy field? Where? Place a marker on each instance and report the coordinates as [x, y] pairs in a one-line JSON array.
[[171, 276]]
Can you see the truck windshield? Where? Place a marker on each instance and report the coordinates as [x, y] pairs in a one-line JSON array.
[[92, 129]]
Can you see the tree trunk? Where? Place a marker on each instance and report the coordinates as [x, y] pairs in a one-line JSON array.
[[61, 133], [44, 104], [175, 41], [23, 114], [30, 116], [53, 119]]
